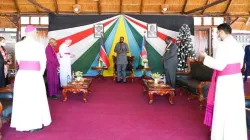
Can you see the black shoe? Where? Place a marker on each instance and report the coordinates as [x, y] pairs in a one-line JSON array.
[[35, 130], [118, 81], [124, 82], [54, 97]]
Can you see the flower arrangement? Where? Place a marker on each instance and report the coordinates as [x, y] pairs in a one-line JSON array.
[[156, 75], [78, 74], [145, 60], [99, 62]]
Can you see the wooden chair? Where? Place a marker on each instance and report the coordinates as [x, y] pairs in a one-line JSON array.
[[129, 70]]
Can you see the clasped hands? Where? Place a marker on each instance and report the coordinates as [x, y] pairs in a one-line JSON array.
[[203, 54], [120, 51]]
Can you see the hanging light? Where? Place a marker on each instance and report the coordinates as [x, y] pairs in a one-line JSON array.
[[77, 8]]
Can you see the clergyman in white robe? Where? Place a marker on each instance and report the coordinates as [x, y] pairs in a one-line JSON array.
[[30, 104], [229, 117], [65, 62]]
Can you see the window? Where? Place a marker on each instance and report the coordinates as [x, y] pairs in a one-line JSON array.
[[218, 20], [44, 20], [197, 20], [25, 20], [23, 31], [34, 20], [207, 20], [11, 29]]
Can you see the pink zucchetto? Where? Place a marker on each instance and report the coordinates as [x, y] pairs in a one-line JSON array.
[[30, 28]]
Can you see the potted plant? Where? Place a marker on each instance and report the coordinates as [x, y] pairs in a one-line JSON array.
[[145, 61], [78, 75], [156, 77], [99, 62]]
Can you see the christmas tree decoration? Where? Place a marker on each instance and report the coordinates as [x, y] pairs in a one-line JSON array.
[[185, 47]]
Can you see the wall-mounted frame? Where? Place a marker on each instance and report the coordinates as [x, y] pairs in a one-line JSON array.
[[98, 30], [207, 41], [152, 30]]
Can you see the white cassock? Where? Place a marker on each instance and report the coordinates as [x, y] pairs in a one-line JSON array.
[[65, 64], [229, 118], [30, 104]]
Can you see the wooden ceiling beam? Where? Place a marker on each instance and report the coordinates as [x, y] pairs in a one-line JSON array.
[[121, 6], [228, 4], [16, 5], [99, 7], [141, 8], [184, 7], [247, 22], [12, 21], [234, 20], [205, 7], [56, 6], [202, 12], [40, 6], [111, 13]]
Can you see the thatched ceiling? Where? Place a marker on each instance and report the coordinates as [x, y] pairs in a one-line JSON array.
[[239, 9]]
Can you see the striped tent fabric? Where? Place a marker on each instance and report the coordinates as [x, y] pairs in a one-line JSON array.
[[86, 47]]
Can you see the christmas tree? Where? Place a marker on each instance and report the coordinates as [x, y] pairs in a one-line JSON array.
[[185, 47]]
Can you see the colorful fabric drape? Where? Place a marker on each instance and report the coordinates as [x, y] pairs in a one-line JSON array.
[[86, 48]]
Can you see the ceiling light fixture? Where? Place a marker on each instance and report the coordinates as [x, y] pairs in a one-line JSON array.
[[77, 8], [165, 9]]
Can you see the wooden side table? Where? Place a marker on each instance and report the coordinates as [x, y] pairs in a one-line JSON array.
[[100, 70], [77, 87], [144, 70], [159, 89]]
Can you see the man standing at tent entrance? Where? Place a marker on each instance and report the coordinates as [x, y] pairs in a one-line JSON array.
[[121, 50], [65, 62], [52, 69], [225, 110], [30, 105], [247, 61], [170, 61]]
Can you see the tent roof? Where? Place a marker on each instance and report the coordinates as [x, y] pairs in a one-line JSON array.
[[237, 9]]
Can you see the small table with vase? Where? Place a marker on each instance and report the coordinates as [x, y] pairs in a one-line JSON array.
[[144, 70], [77, 86], [159, 89], [100, 69]]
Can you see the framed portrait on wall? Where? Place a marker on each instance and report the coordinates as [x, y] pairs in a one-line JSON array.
[[152, 30], [98, 30]]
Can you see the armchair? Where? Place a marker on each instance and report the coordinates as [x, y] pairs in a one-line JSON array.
[[195, 81], [6, 96], [129, 70]]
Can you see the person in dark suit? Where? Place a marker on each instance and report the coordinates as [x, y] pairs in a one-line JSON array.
[[3, 62], [170, 61], [247, 61]]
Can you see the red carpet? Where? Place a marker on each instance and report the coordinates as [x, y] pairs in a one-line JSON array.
[[119, 112]]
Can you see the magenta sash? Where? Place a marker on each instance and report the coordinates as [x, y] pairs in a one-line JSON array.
[[228, 70], [29, 65]]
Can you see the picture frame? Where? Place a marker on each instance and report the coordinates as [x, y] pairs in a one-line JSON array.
[[98, 30], [152, 30]]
